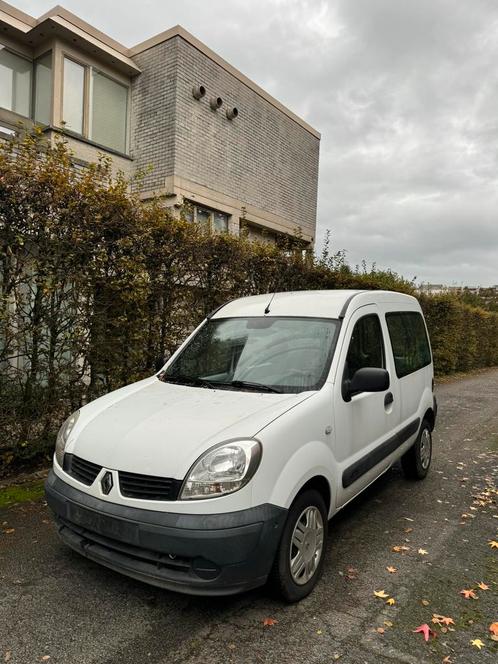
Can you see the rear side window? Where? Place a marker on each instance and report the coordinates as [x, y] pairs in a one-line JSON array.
[[409, 341], [366, 348]]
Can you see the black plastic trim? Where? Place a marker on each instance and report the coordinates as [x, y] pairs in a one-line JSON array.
[[366, 463], [346, 304], [220, 554]]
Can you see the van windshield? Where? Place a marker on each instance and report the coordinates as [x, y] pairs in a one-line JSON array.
[[278, 354]]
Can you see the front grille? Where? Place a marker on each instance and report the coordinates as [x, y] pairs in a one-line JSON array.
[[148, 487], [81, 470]]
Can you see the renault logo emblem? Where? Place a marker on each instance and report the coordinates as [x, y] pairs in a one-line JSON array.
[[106, 482]]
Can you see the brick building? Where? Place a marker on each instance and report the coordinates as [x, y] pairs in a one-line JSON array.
[[203, 132]]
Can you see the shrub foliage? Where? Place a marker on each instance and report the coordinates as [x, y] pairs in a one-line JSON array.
[[95, 285]]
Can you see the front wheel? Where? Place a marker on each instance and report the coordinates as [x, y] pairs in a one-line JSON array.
[[417, 460], [299, 560]]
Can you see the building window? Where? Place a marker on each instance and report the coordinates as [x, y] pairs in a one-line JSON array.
[[15, 82], [43, 89], [109, 111], [212, 220], [74, 95], [95, 105]]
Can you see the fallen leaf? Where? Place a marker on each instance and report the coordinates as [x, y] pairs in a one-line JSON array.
[[388, 623], [408, 530], [423, 552], [493, 544], [425, 602], [477, 643], [493, 628], [318, 631], [381, 630], [232, 646], [400, 548], [6, 657], [391, 601], [381, 593], [268, 622], [442, 620], [447, 660], [482, 586], [468, 594], [391, 569], [426, 631], [9, 531]]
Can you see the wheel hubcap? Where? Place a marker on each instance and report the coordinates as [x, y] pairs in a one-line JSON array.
[[425, 448], [306, 545]]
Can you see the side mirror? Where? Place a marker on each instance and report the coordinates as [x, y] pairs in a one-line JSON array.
[[367, 379]]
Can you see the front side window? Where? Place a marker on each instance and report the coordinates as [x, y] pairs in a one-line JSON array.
[[366, 348], [108, 111], [43, 89], [264, 354], [409, 341], [73, 97], [15, 82]]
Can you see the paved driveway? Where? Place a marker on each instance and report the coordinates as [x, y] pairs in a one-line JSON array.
[[57, 607]]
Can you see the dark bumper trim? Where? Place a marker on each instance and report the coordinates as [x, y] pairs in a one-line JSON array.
[[236, 549]]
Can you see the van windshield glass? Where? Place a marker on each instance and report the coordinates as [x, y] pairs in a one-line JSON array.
[[277, 354]]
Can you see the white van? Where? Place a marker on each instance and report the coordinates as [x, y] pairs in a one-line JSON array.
[[223, 469]]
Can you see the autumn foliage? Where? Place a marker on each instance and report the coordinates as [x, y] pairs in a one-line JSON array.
[[95, 285]]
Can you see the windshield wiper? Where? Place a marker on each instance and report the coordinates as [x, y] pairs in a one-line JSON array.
[[253, 386], [188, 380]]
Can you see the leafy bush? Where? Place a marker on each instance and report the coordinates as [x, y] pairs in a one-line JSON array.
[[95, 285]]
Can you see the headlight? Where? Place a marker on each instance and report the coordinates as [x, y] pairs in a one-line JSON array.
[[223, 469], [63, 436]]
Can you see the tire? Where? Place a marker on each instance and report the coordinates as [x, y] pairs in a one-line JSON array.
[[417, 461], [308, 509]]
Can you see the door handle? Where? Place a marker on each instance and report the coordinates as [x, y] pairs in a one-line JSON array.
[[388, 399]]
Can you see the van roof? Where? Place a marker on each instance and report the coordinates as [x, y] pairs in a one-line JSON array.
[[311, 303]]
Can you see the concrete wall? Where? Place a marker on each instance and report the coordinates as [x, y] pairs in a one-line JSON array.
[[263, 159], [153, 112]]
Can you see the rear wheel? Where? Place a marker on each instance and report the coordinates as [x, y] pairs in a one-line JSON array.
[[299, 560], [416, 462]]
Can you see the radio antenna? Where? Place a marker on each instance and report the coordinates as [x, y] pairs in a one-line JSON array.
[[267, 310]]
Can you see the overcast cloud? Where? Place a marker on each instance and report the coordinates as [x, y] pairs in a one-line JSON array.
[[405, 94]]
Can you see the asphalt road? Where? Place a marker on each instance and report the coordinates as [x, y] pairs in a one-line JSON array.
[[58, 607]]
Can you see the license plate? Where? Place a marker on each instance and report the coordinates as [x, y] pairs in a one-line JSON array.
[[104, 525]]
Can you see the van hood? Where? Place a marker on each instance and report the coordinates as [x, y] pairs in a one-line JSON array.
[[158, 428]]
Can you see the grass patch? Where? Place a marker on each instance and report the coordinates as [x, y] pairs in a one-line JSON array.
[[21, 493]]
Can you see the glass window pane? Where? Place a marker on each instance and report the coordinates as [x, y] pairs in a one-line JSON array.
[[409, 341], [43, 88], [220, 222], [15, 82], [204, 217], [289, 354], [74, 86], [109, 112], [366, 348]]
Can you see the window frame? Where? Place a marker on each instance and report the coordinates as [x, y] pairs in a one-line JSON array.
[[87, 99], [420, 315], [22, 56], [212, 211], [344, 392], [33, 86]]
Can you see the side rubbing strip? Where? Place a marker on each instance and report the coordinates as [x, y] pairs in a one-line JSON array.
[[363, 465]]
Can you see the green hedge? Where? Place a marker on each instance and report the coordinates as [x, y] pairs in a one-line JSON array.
[[95, 285]]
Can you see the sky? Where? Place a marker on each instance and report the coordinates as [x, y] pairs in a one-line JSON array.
[[405, 95]]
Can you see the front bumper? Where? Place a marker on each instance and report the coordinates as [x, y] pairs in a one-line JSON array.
[[213, 554]]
